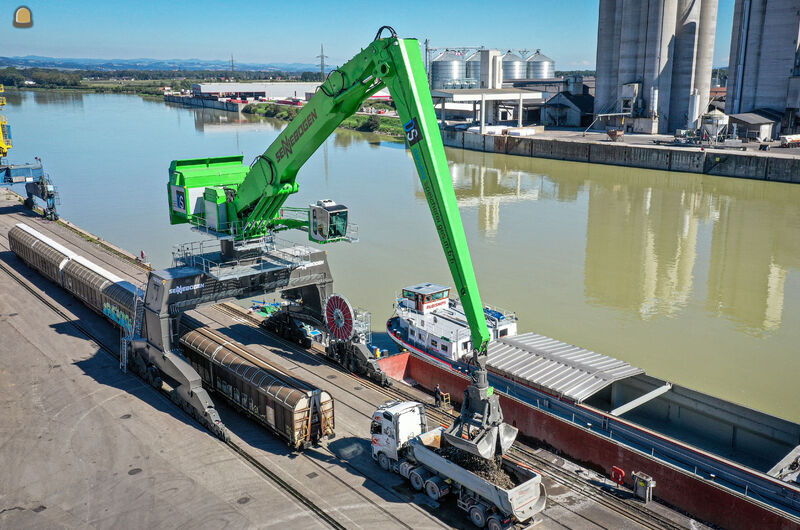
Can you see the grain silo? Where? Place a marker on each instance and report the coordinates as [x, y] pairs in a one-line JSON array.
[[474, 66], [514, 67], [764, 70], [658, 55], [448, 70], [540, 66]]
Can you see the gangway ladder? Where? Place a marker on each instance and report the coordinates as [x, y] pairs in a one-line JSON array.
[[128, 335]]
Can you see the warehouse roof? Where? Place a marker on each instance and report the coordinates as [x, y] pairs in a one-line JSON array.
[[757, 117], [583, 102], [488, 94], [556, 367]]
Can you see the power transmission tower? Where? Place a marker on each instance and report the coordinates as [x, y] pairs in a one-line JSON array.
[[322, 58], [232, 69]]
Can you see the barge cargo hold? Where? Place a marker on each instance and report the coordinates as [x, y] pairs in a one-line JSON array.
[[720, 461]]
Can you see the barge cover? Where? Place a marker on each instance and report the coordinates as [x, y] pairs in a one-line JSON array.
[[556, 367]]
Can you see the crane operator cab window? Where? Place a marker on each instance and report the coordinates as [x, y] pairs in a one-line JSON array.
[[327, 221]]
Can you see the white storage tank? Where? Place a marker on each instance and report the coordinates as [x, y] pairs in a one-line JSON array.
[[447, 69], [514, 67], [540, 66], [474, 66]]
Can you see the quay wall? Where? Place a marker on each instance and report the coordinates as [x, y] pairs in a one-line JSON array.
[[701, 498], [207, 103], [688, 160]]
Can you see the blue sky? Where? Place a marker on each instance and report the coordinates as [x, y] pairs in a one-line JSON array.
[[289, 31]]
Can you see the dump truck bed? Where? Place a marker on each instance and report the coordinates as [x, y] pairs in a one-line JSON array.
[[523, 501]]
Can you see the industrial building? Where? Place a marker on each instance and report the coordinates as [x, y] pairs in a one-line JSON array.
[[566, 109], [251, 90], [654, 61], [482, 97], [458, 69], [764, 72], [491, 88]]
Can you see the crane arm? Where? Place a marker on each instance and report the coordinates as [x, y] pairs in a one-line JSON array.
[[245, 203], [254, 196]]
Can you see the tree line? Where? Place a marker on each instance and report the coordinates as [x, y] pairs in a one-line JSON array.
[[53, 78], [44, 77]]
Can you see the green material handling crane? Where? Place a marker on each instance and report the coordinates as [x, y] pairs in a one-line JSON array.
[[242, 203]]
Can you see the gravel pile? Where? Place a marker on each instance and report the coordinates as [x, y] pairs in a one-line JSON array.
[[490, 470]]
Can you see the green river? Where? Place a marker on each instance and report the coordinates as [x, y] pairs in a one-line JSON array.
[[694, 278]]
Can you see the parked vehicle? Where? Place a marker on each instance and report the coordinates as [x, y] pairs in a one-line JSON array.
[[402, 443], [790, 140]]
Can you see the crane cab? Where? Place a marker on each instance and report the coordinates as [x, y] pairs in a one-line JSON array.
[[328, 222]]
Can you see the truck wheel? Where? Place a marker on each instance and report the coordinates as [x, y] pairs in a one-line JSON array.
[[383, 460], [494, 523], [478, 516], [432, 489], [417, 482]]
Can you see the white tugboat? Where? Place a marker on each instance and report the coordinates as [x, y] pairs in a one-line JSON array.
[[428, 321]]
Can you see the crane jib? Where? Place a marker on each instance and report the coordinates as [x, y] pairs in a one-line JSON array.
[[287, 144]]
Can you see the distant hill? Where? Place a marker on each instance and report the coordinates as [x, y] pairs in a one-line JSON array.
[[35, 61]]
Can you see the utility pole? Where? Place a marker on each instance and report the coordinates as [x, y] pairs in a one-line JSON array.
[[322, 58], [232, 69], [428, 59]]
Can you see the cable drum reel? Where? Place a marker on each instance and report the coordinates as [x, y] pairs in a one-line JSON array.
[[339, 317]]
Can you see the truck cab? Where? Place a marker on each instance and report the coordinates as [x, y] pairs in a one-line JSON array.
[[393, 425]]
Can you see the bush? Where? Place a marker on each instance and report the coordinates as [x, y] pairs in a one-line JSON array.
[[372, 124]]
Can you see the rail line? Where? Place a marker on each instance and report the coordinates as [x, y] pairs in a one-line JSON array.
[[317, 510], [339, 403], [628, 509], [108, 262]]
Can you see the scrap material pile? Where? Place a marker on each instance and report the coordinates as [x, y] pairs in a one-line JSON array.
[[490, 470]]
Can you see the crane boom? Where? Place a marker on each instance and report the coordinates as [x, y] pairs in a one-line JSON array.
[[254, 196]]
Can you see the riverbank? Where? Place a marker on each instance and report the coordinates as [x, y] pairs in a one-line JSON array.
[[374, 123], [752, 165]]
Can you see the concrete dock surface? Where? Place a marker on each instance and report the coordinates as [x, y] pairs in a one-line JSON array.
[[84, 445]]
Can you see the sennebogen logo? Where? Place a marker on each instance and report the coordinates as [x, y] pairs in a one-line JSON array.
[[183, 288]]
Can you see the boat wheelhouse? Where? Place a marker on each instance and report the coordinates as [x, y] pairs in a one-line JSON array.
[[427, 318]]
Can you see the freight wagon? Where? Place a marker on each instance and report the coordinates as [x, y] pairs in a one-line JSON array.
[[297, 413], [99, 289]]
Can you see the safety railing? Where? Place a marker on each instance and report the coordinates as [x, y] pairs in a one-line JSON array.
[[265, 253]]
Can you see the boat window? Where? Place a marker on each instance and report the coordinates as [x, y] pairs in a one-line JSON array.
[[503, 332], [439, 295], [444, 347], [434, 343], [427, 298], [411, 332], [408, 294], [375, 428]]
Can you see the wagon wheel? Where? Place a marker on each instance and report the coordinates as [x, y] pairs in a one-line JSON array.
[[339, 317]]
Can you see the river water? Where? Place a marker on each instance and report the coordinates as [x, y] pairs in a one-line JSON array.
[[694, 278]]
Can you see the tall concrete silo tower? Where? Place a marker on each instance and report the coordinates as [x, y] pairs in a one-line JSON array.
[[654, 59], [764, 68]]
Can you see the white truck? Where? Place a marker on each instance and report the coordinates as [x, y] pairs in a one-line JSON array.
[[402, 443], [790, 140]]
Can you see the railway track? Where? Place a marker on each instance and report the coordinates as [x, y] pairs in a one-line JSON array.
[[304, 500], [525, 455], [630, 510]]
